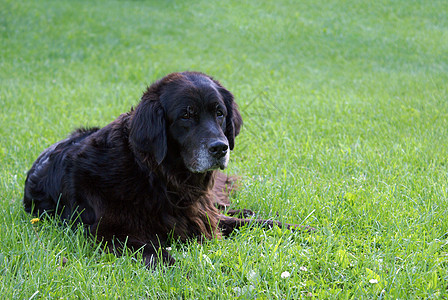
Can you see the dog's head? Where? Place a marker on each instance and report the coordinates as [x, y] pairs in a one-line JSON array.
[[187, 116]]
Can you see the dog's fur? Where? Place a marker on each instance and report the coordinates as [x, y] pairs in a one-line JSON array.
[[150, 174]]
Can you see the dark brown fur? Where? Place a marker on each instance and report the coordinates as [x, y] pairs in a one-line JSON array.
[[140, 180]]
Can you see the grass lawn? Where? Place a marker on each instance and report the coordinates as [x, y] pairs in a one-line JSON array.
[[345, 106]]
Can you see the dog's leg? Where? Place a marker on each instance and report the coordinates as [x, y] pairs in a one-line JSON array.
[[153, 255], [229, 224], [224, 186], [152, 250]]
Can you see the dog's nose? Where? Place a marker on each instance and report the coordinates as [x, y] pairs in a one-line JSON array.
[[218, 149]]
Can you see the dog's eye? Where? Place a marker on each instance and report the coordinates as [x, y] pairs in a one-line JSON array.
[[219, 113], [188, 113]]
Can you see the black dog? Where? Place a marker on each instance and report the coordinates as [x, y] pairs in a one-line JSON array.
[[151, 173]]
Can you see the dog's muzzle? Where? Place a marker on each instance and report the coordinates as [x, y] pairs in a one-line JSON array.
[[210, 156]]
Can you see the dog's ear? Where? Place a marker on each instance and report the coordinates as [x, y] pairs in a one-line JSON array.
[[233, 119], [148, 128]]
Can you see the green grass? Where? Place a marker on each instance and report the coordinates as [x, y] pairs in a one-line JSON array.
[[345, 106]]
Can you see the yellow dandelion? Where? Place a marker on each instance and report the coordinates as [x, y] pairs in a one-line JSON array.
[[34, 221]]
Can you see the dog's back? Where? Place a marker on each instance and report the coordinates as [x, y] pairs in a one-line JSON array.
[[43, 184]]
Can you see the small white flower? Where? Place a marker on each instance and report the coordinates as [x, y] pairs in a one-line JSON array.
[[373, 281], [208, 260], [168, 248], [252, 276], [244, 290], [303, 268], [285, 274]]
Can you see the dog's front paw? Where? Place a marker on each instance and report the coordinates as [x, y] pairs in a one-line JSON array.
[[242, 213]]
